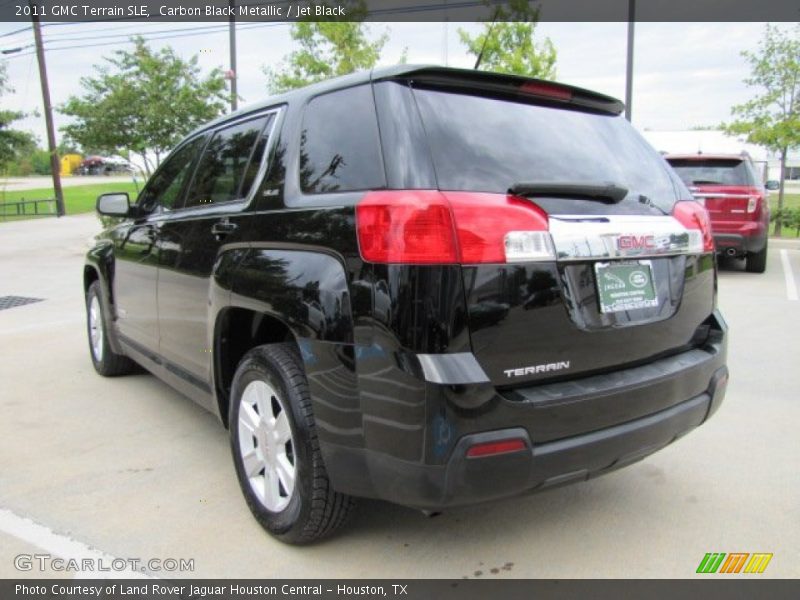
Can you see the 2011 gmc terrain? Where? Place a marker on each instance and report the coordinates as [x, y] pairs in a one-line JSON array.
[[431, 286]]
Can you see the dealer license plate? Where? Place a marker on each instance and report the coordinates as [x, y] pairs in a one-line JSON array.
[[623, 286]]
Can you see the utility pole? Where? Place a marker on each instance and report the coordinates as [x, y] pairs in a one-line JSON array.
[[55, 165], [629, 64], [232, 40]]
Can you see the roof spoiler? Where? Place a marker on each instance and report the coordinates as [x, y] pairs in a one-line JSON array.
[[514, 86]]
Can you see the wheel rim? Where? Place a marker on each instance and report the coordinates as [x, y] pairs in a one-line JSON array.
[[266, 446], [96, 329]]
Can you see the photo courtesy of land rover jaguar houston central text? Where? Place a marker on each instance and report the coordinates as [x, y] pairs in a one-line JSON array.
[[431, 286]]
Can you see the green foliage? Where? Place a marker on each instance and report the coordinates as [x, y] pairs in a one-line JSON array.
[[787, 217], [772, 118], [509, 47], [327, 49], [12, 142], [143, 102]]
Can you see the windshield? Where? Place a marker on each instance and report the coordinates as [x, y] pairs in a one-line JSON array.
[[484, 143], [712, 171]]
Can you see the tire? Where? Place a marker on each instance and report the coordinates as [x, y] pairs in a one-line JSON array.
[[106, 362], [287, 488], [756, 262]]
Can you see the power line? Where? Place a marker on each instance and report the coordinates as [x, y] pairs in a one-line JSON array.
[[199, 30], [155, 38]]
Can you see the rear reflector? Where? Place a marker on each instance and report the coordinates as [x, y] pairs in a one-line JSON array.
[[495, 448], [694, 217], [431, 227]]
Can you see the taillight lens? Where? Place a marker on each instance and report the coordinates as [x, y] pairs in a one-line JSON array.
[[406, 227], [695, 218], [431, 227], [752, 204]]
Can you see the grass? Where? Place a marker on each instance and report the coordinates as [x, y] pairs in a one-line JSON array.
[[77, 199]]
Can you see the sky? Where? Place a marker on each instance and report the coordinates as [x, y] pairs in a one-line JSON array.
[[685, 74]]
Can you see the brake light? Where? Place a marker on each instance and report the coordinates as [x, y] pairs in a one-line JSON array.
[[431, 227], [752, 204], [695, 218], [547, 90], [495, 448]]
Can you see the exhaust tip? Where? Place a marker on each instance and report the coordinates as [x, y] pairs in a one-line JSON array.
[[731, 251]]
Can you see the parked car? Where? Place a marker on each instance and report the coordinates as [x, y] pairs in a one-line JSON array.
[[511, 291], [99, 165], [735, 199]]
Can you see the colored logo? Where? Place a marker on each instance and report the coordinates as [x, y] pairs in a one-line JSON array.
[[735, 562]]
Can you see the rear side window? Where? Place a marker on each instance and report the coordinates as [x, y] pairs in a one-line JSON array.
[[229, 164], [481, 143], [339, 147], [713, 171]]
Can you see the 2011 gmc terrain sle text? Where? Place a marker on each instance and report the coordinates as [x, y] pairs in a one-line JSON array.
[[431, 286]]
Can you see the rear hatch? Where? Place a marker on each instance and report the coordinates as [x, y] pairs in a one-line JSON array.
[[726, 186], [623, 272]]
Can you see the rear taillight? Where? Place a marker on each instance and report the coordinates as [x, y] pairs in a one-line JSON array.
[[694, 217], [752, 204], [413, 227], [431, 227]]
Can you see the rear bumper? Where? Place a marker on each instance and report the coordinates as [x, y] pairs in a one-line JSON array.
[[460, 479], [740, 238]]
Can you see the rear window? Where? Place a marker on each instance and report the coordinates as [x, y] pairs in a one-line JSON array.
[[483, 143], [712, 171]]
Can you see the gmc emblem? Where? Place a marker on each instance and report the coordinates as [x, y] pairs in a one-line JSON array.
[[637, 242]]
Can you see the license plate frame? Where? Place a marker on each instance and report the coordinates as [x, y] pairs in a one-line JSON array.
[[624, 286]]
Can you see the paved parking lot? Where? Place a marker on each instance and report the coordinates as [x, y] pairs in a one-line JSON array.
[[128, 468]]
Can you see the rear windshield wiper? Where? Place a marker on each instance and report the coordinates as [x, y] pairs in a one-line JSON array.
[[608, 192]]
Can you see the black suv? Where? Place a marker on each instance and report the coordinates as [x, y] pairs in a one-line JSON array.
[[431, 286]]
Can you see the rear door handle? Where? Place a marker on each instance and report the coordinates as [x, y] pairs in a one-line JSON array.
[[220, 229]]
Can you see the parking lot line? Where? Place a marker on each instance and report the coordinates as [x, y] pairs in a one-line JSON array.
[[788, 275], [62, 546]]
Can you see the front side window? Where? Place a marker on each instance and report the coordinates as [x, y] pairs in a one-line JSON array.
[[339, 149], [164, 189], [229, 164]]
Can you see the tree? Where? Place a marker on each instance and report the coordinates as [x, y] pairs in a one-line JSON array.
[[142, 103], [327, 49], [12, 141], [772, 118], [509, 46]]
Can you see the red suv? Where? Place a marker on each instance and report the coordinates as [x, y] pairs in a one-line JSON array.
[[735, 199]]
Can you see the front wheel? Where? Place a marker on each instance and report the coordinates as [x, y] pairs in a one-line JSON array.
[[756, 262], [276, 450]]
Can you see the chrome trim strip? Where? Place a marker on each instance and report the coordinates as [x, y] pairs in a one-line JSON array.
[[595, 237], [452, 369], [721, 195]]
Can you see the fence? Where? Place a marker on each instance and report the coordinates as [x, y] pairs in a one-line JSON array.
[[21, 208]]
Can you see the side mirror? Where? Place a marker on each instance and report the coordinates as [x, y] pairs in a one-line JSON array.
[[772, 185], [114, 204]]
